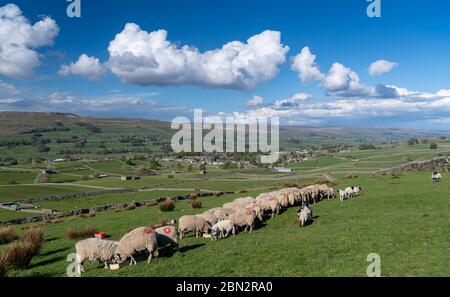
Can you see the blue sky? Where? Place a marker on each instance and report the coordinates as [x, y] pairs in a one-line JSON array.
[[409, 86]]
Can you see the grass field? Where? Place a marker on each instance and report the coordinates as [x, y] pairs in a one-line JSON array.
[[404, 219]]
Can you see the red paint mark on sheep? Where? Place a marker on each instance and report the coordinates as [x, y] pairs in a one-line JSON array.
[[149, 230], [167, 230]]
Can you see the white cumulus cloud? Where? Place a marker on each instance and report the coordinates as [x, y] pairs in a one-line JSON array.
[[148, 58], [255, 101], [305, 64], [381, 67], [340, 80], [19, 40], [86, 66]]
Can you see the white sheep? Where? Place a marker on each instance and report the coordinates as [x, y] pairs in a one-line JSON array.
[[342, 195], [220, 213], [268, 203], [356, 191], [305, 215], [138, 240], [222, 229], [245, 201], [167, 235], [194, 224], [349, 191], [436, 177], [244, 218], [208, 216], [94, 249]]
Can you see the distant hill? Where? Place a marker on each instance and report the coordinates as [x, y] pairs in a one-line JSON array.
[[68, 125], [24, 122]]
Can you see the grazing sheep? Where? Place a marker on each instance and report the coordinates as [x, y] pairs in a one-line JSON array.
[[349, 191], [293, 195], [305, 216], [222, 229], [436, 177], [219, 214], [342, 195], [138, 240], [268, 204], [356, 191], [313, 193], [167, 235], [208, 216], [244, 218], [245, 201], [326, 192], [258, 211], [94, 249], [282, 198], [194, 224], [303, 197]]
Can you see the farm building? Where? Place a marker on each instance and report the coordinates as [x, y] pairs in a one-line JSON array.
[[282, 169], [125, 178]]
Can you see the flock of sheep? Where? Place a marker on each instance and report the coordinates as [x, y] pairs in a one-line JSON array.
[[242, 214]]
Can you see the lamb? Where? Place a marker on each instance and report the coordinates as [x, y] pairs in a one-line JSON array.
[[138, 240], [436, 177], [222, 229], [195, 224], [167, 235], [94, 249], [342, 195], [356, 191], [305, 215], [349, 191], [244, 217]]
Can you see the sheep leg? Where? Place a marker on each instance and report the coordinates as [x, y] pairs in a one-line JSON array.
[[149, 258], [132, 261], [106, 265]]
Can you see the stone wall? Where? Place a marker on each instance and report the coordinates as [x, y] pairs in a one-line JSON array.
[[440, 164], [73, 196], [95, 209]]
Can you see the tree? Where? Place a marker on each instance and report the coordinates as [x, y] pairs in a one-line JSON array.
[[154, 164], [433, 146], [41, 178], [413, 141]]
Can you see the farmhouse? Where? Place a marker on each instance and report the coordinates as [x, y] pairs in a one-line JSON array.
[[282, 169]]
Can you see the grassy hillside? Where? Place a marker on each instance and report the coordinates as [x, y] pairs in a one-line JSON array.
[[403, 219]]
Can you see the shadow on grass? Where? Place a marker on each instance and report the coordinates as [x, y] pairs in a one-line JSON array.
[[188, 248], [47, 262], [49, 253]]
